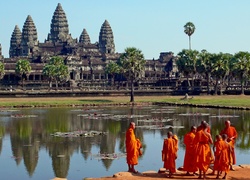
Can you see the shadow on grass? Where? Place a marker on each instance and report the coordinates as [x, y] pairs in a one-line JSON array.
[[96, 101]]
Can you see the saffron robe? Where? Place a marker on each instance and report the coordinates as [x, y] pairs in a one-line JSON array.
[[169, 154], [222, 156], [189, 158], [231, 133], [133, 146], [203, 150], [215, 149]]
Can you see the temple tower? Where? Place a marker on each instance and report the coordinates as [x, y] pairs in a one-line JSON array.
[[106, 39], [84, 37], [59, 29], [29, 42], [15, 42]]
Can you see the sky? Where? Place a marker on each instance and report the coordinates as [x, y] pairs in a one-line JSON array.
[[153, 26]]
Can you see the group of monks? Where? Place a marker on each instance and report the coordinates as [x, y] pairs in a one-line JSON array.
[[198, 155]]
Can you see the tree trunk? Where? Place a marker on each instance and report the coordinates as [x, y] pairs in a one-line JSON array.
[[56, 84], [189, 42], [216, 87], [132, 91], [208, 83], [242, 86]]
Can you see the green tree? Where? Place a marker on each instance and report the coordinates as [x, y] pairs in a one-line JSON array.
[[2, 71], [205, 66], [187, 63], [221, 69], [242, 67], [189, 29], [132, 65], [23, 68], [112, 68], [56, 71]]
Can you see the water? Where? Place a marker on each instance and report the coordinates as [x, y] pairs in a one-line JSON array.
[[29, 151]]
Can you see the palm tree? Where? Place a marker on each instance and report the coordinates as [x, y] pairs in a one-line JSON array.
[[50, 72], [242, 67], [132, 64], [112, 68], [2, 72], [56, 70], [221, 69], [189, 29], [205, 65], [187, 63], [23, 68]]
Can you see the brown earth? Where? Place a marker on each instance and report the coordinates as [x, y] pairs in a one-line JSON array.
[[242, 172]]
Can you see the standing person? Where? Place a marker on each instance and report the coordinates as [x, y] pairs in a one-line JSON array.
[[189, 159], [232, 134], [218, 139], [169, 153], [222, 155], [133, 146], [203, 140], [200, 127]]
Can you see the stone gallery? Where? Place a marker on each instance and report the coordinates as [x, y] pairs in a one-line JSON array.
[[85, 60]]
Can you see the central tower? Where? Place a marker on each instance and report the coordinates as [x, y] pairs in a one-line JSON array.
[[59, 28]]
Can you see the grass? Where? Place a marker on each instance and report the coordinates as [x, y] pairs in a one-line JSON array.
[[224, 100]]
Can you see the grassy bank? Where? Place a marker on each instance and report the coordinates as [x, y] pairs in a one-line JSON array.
[[234, 101]]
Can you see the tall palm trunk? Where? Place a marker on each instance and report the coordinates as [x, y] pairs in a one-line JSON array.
[[189, 37], [208, 80], [132, 91]]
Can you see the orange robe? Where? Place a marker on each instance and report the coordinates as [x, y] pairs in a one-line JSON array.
[[189, 159], [203, 151], [169, 154], [216, 158], [133, 146], [222, 156], [231, 132], [200, 128]]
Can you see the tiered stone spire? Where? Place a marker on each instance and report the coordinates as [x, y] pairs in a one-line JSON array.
[[15, 42], [84, 37], [29, 37], [106, 39], [59, 28]]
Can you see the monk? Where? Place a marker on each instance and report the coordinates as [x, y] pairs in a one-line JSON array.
[[169, 153], [200, 127], [218, 138], [222, 156], [189, 158], [133, 146], [232, 134], [203, 140]]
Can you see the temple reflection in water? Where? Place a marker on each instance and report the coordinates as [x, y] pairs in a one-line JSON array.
[[34, 147]]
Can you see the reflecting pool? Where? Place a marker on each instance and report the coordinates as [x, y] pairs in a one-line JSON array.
[[73, 143]]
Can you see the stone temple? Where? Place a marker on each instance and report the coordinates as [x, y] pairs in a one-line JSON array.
[[86, 61]]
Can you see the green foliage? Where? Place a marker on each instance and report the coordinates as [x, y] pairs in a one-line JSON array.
[[132, 64], [189, 28], [56, 70], [112, 68], [2, 72], [23, 67]]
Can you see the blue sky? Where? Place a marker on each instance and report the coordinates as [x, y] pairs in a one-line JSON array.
[[152, 26]]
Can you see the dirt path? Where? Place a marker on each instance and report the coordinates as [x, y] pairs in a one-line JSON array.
[[241, 172]]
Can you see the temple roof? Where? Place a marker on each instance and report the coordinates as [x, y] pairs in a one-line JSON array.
[[84, 37], [59, 28], [16, 37], [106, 38], [29, 33]]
